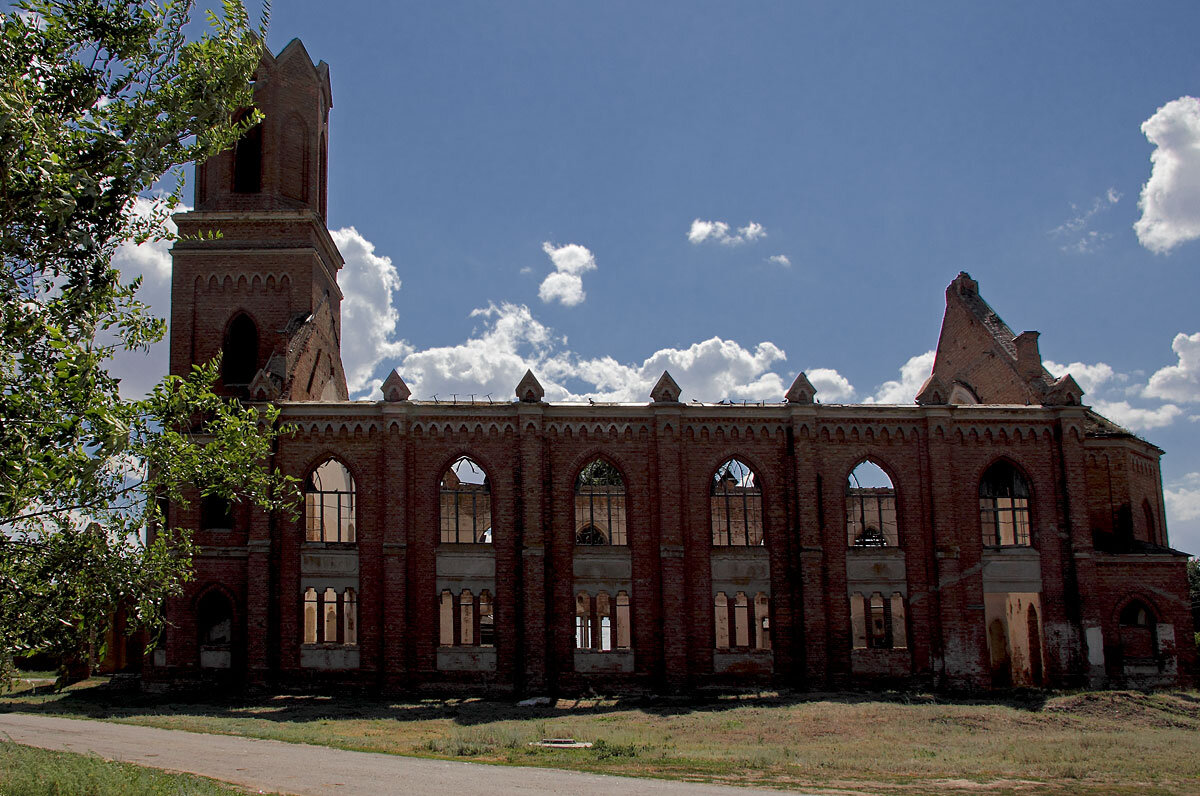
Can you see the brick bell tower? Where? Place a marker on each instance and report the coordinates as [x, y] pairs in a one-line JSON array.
[[255, 270]]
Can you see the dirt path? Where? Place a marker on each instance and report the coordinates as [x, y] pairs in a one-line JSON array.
[[319, 770]]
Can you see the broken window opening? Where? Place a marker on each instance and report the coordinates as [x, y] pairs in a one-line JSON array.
[[1004, 506], [310, 616], [487, 620], [871, 508], [350, 618], [329, 504], [466, 504], [330, 617], [600, 505], [216, 514], [329, 614], [215, 620], [247, 161], [598, 627], [878, 622], [736, 506], [741, 623], [239, 352], [466, 619], [1138, 628]]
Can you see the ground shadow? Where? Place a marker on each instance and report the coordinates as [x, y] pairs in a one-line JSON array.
[[96, 700]]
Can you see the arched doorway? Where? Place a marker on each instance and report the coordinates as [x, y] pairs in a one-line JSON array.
[[215, 631]]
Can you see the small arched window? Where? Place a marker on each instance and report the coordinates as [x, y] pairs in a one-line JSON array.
[[466, 510], [600, 505], [870, 508], [736, 506], [247, 161], [1138, 627], [329, 504], [239, 353], [1151, 525], [1004, 506]]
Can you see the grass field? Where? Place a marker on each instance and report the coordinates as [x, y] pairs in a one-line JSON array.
[[37, 772], [1094, 742]]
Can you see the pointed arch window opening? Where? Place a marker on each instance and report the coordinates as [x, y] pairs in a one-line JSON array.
[[247, 161], [1004, 507], [736, 506], [466, 504], [600, 508], [239, 352], [329, 504], [871, 510]]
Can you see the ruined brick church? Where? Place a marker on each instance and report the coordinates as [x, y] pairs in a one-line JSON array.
[[995, 532]]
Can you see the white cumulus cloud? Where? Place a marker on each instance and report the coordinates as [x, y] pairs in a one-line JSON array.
[[831, 386], [1181, 381], [780, 259], [913, 374], [718, 232], [491, 361], [139, 371], [1170, 200], [1089, 377], [1183, 499], [1137, 418], [565, 283], [494, 358], [369, 317]]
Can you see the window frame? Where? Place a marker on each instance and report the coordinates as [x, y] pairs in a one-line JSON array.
[[721, 499], [1002, 498], [345, 507], [860, 496], [611, 498], [453, 512]]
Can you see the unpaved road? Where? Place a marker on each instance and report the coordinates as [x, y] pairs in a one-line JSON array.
[[319, 770]]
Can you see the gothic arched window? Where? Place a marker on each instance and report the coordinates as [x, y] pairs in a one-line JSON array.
[[329, 504], [1004, 506], [870, 508], [736, 506], [247, 161], [600, 505], [466, 498], [239, 353]]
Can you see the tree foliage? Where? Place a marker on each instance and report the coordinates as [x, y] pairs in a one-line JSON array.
[[98, 100]]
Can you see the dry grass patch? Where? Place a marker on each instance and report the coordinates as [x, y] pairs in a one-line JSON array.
[[1094, 742]]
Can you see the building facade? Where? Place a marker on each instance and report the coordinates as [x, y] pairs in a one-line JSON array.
[[996, 532]]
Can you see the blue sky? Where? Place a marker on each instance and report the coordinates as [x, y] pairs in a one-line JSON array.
[[845, 161]]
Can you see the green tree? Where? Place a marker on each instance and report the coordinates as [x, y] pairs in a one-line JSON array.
[[98, 100]]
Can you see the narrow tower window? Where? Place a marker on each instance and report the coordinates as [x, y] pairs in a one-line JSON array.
[[247, 162], [239, 355]]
